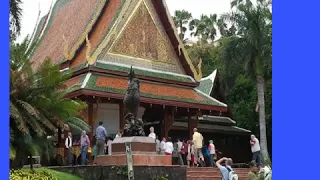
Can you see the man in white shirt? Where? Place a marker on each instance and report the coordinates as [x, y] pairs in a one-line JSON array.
[[162, 145], [255, 149], [168, 147], [152, 134], [68, 145]]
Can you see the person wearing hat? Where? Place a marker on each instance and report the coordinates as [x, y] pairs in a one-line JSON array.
[[212, 150]]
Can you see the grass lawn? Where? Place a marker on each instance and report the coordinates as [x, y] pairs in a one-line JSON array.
[[59, 175]]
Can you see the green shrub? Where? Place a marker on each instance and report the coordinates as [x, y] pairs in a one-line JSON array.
[[31, 175]]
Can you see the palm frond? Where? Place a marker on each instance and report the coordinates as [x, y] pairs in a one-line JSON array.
[[78, 123], [29, 109]]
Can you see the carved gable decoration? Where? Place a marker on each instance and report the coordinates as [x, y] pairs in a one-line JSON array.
[[145, 42]]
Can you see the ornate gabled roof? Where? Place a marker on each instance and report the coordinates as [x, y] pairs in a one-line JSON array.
[[207, 83], [110, 25], [155, 93], [72, 19]]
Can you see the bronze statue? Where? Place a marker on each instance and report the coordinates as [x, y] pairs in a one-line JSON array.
[[133, 125]]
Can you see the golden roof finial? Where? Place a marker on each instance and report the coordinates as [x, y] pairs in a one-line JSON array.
[[90, 60], [198, 75], [67, 54]]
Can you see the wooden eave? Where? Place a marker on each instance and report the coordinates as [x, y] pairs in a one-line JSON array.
[[146, 100], [122, 74]]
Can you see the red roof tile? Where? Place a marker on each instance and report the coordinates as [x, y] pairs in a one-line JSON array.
[[70, 18], [150, 88]]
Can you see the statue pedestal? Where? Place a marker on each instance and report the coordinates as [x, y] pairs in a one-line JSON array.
[[143, 153]]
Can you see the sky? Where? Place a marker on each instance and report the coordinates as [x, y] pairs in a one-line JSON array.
[[195, 7]]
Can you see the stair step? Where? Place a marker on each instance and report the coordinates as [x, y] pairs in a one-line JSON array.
[[211, 173], [211, 177], [202, 169]]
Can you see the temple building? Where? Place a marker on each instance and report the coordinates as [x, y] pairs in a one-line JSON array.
[[99, 40]]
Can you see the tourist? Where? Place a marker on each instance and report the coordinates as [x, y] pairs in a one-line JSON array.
[[94, 151], [184, 152], [68, 144], [168, 147], [152, 134], [162, 145], [226, 171], [265, 173], [84, 144], [101, 135], [179, 143], [194, 158], [190, 155], [212, 150], [197, 139], [253, 170], [206, 155], [157, 145], [175, 154], [109, 146], [255, 149], [105, 147], [119, 134]]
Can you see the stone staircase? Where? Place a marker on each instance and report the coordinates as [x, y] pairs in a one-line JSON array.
[[206, 173]]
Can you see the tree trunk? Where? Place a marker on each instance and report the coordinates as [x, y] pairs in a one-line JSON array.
[[262, 118]]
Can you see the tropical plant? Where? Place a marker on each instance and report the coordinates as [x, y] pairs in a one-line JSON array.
[[38, 175], [181, 20], [15, 18], [37, 104], [252, 46]]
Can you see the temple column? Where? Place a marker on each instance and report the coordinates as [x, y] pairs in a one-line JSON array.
[[90, 120], [168, 120], [192, 123], [121, 116], [190, 128]]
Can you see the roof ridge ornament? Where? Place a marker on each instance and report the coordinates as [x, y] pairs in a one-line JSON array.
[[198, 72], [90, 59]]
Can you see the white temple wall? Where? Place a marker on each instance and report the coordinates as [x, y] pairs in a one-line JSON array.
[[110, 116]]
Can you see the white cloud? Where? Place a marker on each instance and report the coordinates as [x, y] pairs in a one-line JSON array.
[[196, 7]]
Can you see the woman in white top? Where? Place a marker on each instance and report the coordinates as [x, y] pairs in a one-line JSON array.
[[168, 147], [119, 134], [152, 134]]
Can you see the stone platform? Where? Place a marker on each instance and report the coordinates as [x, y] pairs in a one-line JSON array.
[[143, 153]]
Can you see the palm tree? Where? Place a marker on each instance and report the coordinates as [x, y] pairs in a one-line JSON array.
[[205, 27], [15, 18], [37, 104], [252, 44], [181, 20]]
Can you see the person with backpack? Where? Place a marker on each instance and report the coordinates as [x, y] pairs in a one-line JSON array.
[[253, 170], [226, 171]]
